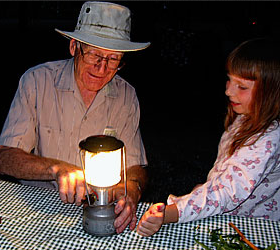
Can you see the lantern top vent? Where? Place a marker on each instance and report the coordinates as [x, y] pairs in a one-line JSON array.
[[101, 143]]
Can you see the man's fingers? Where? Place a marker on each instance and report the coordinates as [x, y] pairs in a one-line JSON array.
[[63, 188], [120, 205], [123, 224], [133, 222], [80, 189], [71, 187], [125, 213]]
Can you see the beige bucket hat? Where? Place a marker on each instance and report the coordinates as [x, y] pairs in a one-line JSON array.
[[105, 25]]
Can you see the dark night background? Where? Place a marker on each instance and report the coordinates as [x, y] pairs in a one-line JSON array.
[[180, 78]]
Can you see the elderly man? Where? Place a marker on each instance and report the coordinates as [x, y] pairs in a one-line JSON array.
[[60, 103]]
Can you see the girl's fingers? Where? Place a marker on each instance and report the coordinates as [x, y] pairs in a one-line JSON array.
[[152, 220], [160, 207], [146, 228]]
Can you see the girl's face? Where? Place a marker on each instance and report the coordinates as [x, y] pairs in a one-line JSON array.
[[239, 91]]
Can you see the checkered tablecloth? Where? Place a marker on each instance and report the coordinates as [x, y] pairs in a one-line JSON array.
[[35, 218]]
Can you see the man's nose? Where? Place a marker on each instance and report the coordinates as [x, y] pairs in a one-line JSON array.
[[102, 65]]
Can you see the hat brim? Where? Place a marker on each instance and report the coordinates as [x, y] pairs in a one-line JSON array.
[[104, 42]]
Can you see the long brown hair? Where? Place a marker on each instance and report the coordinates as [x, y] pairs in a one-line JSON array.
[[257, 60]]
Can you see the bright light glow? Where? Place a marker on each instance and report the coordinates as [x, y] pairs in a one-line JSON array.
[[103, 169]]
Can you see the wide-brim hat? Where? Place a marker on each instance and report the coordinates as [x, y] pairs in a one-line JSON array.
[[105, 25]]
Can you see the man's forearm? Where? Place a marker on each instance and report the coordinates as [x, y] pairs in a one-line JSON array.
[[137, 176], [22, 165]]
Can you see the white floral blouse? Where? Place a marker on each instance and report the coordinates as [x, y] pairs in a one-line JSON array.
[[245, 184]]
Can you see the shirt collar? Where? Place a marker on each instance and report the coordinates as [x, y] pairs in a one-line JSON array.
[[65, 79], [110, 89]]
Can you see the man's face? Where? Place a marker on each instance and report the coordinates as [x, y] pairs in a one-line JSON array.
[[91, 75]]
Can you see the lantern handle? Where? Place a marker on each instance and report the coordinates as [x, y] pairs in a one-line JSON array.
[[124, 171], [87, 189]]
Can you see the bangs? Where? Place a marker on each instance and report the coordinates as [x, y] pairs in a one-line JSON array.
[[242, 67]]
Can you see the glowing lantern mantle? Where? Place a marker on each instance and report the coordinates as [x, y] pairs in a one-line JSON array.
[[103, 169]]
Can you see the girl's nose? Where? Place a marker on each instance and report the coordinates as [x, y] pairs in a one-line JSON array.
[[229, 89]]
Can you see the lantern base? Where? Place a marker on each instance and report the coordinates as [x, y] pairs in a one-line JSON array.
[[99, 220]]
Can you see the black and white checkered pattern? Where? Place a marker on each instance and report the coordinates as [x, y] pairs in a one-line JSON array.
[[35, 218]]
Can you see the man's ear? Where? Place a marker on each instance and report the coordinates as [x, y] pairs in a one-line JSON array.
[[72, 46]]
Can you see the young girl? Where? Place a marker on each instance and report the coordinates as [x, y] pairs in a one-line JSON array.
[[245, 179]]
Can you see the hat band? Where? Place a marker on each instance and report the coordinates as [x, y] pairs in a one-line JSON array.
[[104, 31]]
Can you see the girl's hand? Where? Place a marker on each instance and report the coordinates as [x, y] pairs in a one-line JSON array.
[[152, 220]]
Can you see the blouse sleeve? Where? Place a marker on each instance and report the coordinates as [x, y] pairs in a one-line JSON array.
[[232, 182]]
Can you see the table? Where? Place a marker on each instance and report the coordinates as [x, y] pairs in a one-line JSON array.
[[35, 218]]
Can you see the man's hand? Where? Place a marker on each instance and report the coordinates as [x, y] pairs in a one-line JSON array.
[[126, 206], [70, 180], [23, 165]]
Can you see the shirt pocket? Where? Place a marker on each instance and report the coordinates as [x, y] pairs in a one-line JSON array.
[[51, 142]]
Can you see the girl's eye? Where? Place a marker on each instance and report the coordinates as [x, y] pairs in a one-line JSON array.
[[242, 87]]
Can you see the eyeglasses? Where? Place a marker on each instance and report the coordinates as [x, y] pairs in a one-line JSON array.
[[95, 59]]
